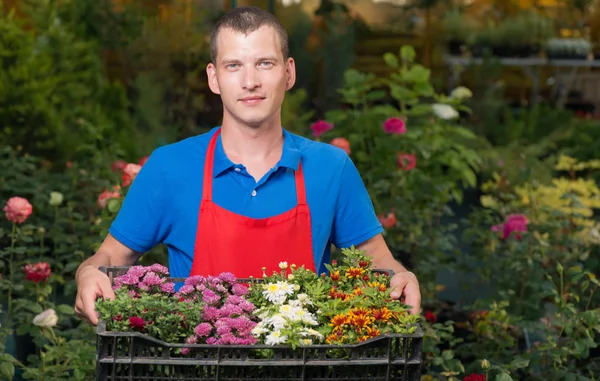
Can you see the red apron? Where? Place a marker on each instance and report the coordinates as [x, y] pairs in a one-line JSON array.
[[226, 241]]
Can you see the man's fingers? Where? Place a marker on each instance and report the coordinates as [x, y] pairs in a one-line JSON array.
[[88, 297], [397, 284], [412, 297], [106, 289]]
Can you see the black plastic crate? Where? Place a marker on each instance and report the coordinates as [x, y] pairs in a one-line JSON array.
[[133, 356]]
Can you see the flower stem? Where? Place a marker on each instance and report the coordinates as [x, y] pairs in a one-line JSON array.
[[13, 239]]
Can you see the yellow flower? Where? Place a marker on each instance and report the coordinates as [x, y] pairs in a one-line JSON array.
[[354, 272]]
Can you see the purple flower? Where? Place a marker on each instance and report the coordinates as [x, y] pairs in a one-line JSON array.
[[151, 279], [228, 277], [211, 340], [194, 280], [200, 287], [210, 298], [203, 329], [210, 313], [239, 289], [186, 289], [247, 306], [223, 330], [129, 279], [168, 287], [234, 299], [222, 289], [228, 310], [158, 268], [250, 340], [213, 281]]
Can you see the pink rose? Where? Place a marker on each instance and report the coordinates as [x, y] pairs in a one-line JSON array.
[[129, 173], [388, 221], [514, 223], [342, 143], [407, 161], [107, 195], [394, 126], [118, 165], [320, 127], [17, 209]]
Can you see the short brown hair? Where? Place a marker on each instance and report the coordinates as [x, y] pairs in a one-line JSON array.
[[246, 20]]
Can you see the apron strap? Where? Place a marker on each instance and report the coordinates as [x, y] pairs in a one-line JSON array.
[[300, 189], [209, 162]]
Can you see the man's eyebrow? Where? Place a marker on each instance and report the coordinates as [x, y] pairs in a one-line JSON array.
[[268, 58], [229, 61]]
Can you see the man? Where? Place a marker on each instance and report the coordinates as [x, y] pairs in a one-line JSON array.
[[247, 194]]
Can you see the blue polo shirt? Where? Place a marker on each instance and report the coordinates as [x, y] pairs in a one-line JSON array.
[[162, 205]]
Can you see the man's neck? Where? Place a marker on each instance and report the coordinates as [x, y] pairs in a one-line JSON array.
[[257, 148]]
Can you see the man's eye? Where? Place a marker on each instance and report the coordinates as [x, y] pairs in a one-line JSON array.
[[266, 63]]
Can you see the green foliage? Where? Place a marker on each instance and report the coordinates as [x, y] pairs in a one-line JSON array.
[[54, 100], [444, 165]]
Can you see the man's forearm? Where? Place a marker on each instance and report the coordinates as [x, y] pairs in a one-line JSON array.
[[387, 262]]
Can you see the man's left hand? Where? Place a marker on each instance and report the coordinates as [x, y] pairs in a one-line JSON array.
[[406, 284]]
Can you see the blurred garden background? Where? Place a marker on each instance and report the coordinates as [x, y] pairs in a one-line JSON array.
[[475, 126]]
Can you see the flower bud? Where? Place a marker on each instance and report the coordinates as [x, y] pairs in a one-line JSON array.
[[485, 364], [56, 198]]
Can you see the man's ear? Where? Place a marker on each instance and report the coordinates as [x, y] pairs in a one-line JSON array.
[[213, 83], [290, 69]]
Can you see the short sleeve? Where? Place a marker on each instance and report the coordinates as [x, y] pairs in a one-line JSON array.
[[355, 220], [140, 223]]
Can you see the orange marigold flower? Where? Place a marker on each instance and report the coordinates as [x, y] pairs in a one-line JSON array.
[[362, 338], [382, 288], [338, 321], [354, 272], [361, 311], [357, 291], [373, 331], [382, 314], [335, 276], [332, 338], [364, 263], [362, 321]]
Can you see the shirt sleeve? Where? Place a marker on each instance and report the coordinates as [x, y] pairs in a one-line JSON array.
[[355, 220], [140, 223]]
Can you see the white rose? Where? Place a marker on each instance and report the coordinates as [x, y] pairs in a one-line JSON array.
[[56, 198], [46, 319], [461, 92], [444, 111]]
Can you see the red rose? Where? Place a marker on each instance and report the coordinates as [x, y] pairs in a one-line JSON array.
[[342, 143], [38, 272], [137, 322], [320, 127], [407, 161], [394, 126], [430, 317], [475, 377]]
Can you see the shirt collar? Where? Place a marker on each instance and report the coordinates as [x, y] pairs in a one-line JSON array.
[[290, 156]]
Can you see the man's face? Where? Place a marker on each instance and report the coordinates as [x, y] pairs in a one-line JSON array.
[[251, 75]]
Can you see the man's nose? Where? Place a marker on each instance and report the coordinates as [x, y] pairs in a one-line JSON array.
[[250, 78]]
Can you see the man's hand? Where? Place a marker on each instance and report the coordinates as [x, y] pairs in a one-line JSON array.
[[91, 284], [406, 284]]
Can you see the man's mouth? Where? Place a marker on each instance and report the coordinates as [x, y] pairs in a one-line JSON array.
[[251, 100]]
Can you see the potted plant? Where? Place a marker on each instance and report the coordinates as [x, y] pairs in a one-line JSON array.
[[457, 31], [568, 48]]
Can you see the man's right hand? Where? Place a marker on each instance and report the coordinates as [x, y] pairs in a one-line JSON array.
[[91, 285]]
